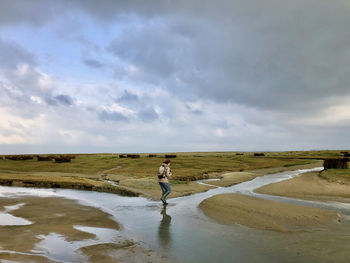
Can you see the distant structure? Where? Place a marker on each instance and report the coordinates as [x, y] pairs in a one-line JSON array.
[[44, 158], [335, 163], [259, 154], [19, 157], [133, 156], [346, 154], [167, 156], [63, 158]]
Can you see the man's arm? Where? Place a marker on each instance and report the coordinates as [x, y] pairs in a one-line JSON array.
[[168, 172]]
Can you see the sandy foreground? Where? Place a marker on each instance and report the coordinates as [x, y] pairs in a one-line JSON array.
[[59, 216], [309, 186], [264, 214]]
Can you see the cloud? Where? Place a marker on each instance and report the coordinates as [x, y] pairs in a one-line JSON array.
[[279, 63], [32, 12], [128, 98], [40, 12], [64, 100], [112, 116], [12, 55], [93, 63], [148, 115], [201, 75], [229, 52]]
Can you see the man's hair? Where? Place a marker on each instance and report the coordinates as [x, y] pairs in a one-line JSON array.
[[167, 161]]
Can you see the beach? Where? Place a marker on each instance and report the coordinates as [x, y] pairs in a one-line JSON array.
[[309, 186], [264, 214]]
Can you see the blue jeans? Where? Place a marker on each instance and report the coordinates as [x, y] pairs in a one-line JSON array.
[[166, 190]]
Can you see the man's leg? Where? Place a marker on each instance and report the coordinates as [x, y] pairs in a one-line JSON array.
[[164, 190], [168, 190]]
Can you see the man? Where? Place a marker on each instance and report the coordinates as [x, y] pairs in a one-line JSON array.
[[164, 173]]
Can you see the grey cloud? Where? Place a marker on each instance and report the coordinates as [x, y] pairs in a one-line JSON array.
[[193, 111], [196, 112], [148, 115], [153, 48], [40, 12], [22, 83], [251, 55], [64, 100], [112, 116], [275, 58], [227, 51], [128, 98], [12, 54], [14, 12], [93, 63]]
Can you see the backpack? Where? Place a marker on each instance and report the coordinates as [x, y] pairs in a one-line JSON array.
[[162, 174]]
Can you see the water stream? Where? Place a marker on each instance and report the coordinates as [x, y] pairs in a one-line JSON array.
[[183, 233]]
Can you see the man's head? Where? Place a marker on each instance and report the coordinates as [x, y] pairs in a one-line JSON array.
[[167, 161]]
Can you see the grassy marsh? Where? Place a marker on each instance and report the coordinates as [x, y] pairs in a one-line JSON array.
[[86, 171]]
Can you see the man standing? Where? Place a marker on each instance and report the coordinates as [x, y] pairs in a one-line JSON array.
[[164, 173]]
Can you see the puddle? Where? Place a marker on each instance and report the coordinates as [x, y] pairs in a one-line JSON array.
[[7, 219], [10, 220], [56, 247]]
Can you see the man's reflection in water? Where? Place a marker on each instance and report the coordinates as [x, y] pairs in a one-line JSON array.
[[164, 229]]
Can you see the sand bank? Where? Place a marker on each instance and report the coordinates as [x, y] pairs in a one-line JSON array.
[[226, 179], [273, 170], [62, 221], [309, 186], [264, 214]]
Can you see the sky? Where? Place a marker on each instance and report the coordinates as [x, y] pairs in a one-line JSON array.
[[89, 76]]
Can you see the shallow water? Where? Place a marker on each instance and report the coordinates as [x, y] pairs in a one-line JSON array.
[[184, 234], [7, 219]]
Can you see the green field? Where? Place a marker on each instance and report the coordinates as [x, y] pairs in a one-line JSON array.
[[186, 166], [140, 173]]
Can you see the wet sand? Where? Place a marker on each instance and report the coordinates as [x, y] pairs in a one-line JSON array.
[[149, 187], [196, 240], [62, 221], [231, 178], [309, 186], [260, 172], [264, 214]]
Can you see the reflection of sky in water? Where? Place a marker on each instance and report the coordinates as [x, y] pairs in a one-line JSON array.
[[10, 220], [7, 219], [56, 247]]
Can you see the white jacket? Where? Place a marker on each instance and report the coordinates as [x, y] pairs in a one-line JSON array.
[[167, 173]]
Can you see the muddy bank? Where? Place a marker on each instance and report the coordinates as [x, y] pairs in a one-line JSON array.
[[63, 230], [313, 164], [48, 215], [59, 181], [133, 186], [124, 252], [264, 214], [149, 187], [183, 234], [309, 186], [232, 178]]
